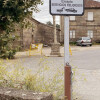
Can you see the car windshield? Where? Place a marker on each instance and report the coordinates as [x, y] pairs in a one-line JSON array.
[[86, 38]]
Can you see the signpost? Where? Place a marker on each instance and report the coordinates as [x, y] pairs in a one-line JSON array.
[[67, 8]]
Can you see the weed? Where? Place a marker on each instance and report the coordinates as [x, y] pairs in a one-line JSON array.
[[16, 76]]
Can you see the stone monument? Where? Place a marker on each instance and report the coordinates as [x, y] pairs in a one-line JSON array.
[[55, 47]]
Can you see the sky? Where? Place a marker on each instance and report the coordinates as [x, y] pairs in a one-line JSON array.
[[44, 15]]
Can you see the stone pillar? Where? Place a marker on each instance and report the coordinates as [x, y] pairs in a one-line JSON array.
[[55, 47], [62, 29], [55, 33]]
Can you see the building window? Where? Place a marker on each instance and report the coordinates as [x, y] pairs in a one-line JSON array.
[[72, 34], [90, 16], [90, 34], [72, 18]]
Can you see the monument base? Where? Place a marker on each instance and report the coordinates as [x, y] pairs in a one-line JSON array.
[[55, 49]]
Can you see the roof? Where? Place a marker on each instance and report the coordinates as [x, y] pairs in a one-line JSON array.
[[91, 4]]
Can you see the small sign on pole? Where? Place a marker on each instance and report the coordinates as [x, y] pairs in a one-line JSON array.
[[67, 7]]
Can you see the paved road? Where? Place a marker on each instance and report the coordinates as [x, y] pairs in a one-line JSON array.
[[86, 59], [82, 57]]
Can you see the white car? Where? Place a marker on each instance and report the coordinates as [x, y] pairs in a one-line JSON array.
[[84, 41]]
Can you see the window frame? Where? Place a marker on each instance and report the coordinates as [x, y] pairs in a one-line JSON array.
[[72, 18], [90, 16], [90, 33], [72, 34]]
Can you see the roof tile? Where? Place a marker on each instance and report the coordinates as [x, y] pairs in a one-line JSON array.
[[91, 4]]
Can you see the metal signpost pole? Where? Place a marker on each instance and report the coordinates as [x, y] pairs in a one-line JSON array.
[[68, 8], [67, 69], [66, 40]]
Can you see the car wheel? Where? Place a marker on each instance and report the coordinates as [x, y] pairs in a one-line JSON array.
[[90, 44]]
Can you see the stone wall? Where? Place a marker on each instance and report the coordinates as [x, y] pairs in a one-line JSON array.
[[14, 94], [45, 34], [42, 33]]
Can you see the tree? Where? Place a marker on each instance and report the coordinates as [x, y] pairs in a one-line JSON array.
[[49, 23], [57, 26], [11, 12], [15, 11]]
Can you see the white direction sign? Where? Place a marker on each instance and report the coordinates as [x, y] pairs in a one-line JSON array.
[[67, 7]]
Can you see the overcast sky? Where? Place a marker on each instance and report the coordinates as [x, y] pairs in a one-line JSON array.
[[44, 16]]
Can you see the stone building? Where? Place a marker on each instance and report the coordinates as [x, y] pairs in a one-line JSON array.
[[36, 32], [86, 25]]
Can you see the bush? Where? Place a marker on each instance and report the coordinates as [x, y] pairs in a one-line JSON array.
[[6, 46], [72, 43]]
